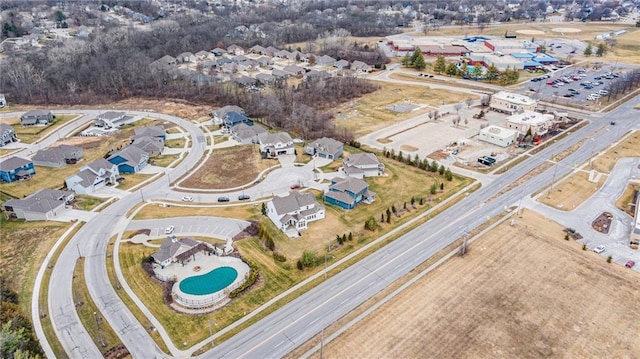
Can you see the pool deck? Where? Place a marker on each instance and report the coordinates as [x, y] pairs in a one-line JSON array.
[[206, 263]]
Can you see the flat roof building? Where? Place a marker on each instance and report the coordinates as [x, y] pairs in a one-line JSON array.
[[539, 123], [510, 103], [497, 135]]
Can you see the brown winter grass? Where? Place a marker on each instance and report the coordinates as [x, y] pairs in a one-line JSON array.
[[32, 134], [571, 192], [629, 146], [625, 202], [506, 298]]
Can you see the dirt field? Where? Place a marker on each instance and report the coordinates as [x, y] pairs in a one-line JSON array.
[[520, 293], [228, 168]]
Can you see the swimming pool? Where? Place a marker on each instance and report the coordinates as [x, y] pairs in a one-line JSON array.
[[211, 282]]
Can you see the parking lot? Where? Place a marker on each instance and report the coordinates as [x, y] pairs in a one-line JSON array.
[[574, 85]]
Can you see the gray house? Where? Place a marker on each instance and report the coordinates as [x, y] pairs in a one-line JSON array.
[[40, 206], [246, 134], [7, 134], [93, 177], [325, 60], [57, 156], [36, 117], [325, 148], [110, 119], [220, 114], [153, 146]]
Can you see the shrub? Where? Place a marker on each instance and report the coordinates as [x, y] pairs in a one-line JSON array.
[[584, 247], [350, 237], [370, 224], [308, 258], [148, 267], [609, 258], [269, 243], [299, 264], [279, 257], [166, 291], [251, 279], [566, 237]]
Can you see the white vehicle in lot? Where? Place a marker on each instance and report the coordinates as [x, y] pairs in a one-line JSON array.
[[187, 199], [169, 229], [599, 249], [603, 92]]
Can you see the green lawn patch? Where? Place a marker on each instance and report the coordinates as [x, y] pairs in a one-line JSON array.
[[87, 203]]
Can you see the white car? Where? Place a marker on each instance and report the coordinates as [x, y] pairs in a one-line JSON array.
[[603, 92], [169, 229], [599, 249], [187, 199]]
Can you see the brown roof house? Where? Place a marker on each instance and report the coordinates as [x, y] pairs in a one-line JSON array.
[[293, 212]]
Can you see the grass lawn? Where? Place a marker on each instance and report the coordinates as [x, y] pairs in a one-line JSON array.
[[33, 133], [5, 151], [173, 130], [629, 146], [175, 143], [132, 180], [87, 203], [218, 139], [99, 329], [368, 113], [571, 192], [625, 202], [395, 189], [229, 167], [163, 160]]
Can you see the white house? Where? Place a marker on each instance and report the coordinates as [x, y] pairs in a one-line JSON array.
[[110, 119], [360, 165], [539, 123], [93, 177], [498, 135], [511, 103], [293, 212], [276, 144]]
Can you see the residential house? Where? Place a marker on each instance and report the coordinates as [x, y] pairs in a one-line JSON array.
[[130, 159], [164, 62], [341, 64], [325, 148], [265, 79], [93, 177], [276, 144], [233, 118], [40, 206], [202, 55], [228, 68], [153, 131], [361, 165], [315, 75], [348, 192], [110, 119], [186, 57], [325, 60], [297, 56], [294, 70], [57, 156], [218, 51], [264, 61], [280, 75], [257, 49], [235, 49], [174, 250], [245, 81], [16, 168], [510, 103], [7, 134], [270, 51], [361, 67], [153, 146], [282, 54], [240, 58], [294, 211], [207, 65], [220, 114], [36, 117], [246, 134]]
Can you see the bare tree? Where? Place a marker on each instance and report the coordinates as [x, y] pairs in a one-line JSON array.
[[458, 107], [469, 102]]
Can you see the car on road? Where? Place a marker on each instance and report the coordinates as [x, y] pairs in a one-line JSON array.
[[630, 264], [243, 197], [169, 229], [295, 186], [187, 199], [599, 249], [223, 199], [613, 123]]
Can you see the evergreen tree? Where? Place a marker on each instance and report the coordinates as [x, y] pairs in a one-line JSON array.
[[492, 72], [440, 65], [478, 69], [452, 69], [441, 170], [419, 63], [601, 50], [406, 60], [448, 175], [588, 51]]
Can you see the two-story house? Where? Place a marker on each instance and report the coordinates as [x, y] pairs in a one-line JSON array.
[[36, 117], [348, 192], [93, 177], [246, 134], [16, 168], [220, 114], [233, 118], [293, 212], [7, 134], [130, 159], [276, 144], [361, 165], [325, 148], [58, 156]]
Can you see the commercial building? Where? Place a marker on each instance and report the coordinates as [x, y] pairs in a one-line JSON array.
[[524, 121], [510, 103], [498, 136]]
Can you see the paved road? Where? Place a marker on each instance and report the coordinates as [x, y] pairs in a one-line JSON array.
[[293, 324]]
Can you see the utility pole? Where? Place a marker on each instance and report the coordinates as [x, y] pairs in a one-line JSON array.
[[78, 248], [555, 171]]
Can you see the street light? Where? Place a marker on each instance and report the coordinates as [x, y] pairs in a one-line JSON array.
[[211, 330]]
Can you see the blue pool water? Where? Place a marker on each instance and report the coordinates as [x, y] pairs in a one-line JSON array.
[[208, 283]]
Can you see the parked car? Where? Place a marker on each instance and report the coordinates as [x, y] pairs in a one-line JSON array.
[[599, 249], [223, 199], [630, 264], [295, 186], [187, 199], [169, 229], [603, 92], [243, 197]]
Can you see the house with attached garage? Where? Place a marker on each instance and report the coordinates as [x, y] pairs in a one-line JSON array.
[[93, 177], [233, 118], [361, 67], [152, 131], [293, 212], [36, 117], [153, 146], [7, 134], [246, 134], [294, 70], [15, 169], [325, 60], [110, 119], [40, 206], [186, 57], [57, 156], [348, 192], [325, 148], [130, 159], [341, 64], [361, 165], [235, 50], [276, 144], [220, 114]]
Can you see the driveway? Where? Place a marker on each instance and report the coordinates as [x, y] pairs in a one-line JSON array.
[[69, 215]]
